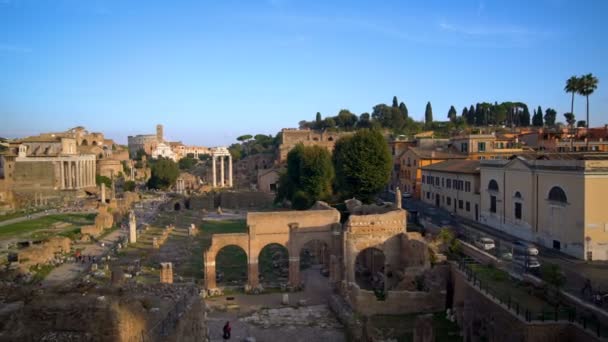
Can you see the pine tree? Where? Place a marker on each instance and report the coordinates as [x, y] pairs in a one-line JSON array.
[[403, 110], [428, 114], [471, 118], [395, 102], [452, 114], [465, 113], [550, 116]]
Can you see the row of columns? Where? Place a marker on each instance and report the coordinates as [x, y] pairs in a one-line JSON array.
[[76, 174], [222, 181]]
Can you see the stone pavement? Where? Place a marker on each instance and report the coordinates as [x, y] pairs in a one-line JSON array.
[[70, 271]]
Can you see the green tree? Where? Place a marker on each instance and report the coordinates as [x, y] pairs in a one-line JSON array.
[[364, 121], [537, 119], [524, 119], [329, 123], [428, 114], [587, 85], [308, 178], [403, 110], [204, 157], [465, 113], [452, 114], [129, 186], [395, 102], [581, 123], [318, 121], [244, 138], [164, 174], [570, 119], [471, 118], [346, 120], [550, 116], [139, 154], [363, 165], [572, 86], [103, 179], [186, 163]]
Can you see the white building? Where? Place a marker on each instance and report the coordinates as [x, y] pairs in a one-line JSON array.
[[163, 150]]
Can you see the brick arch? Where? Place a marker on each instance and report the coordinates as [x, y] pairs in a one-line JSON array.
[[219, 241]]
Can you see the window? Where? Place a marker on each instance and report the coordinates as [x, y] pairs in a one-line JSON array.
[[449, 199], [518, 210], [448, 183], [481, 146], [464, 147], [442, 182], [467, 186], [437, 181], [493, 186], [493, 204], [460, 204], [423, 179], [428, 195], [468, 206], [557, 194]]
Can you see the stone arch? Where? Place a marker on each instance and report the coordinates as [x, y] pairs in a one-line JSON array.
[[370, 269], [94, 143], [217, 243], [177, 206], [273, 264], [84, 142], [315, 252], [231, 265]]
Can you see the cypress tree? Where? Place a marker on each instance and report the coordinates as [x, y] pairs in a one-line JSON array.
[[428, 114]]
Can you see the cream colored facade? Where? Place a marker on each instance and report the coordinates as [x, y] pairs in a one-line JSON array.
[[453, 185], [555, 203]]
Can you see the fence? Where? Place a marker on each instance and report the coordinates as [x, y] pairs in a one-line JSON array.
[[559, 313]]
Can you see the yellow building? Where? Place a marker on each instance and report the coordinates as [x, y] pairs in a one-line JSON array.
[[487, 146], [554, 201], [454, 186], [413, 160]]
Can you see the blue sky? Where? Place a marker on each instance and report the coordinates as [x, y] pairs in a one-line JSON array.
[[213, 70]]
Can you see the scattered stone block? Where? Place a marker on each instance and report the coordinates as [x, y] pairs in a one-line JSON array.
[[285, 299]]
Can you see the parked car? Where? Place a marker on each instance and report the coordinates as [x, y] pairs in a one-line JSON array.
[[522, 247], [529, 262], [406, 195], [485, 243]]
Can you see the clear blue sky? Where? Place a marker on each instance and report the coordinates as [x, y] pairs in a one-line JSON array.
[[212, 70]]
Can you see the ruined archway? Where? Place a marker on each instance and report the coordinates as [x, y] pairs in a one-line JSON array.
[[273, 265], [177, 206], [231, 266], [369, 269], [314, 254]]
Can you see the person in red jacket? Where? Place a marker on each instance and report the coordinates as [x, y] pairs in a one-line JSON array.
[[226, 331]]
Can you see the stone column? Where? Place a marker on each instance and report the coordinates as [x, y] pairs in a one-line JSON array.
[[70, 185], [398, 198], [294, 271], [222, 179], [132, 228], [166, 273], [209, 273], [103, 193], [78, 174], [61, 176], [213, 171], [253, 273], [230, 171]]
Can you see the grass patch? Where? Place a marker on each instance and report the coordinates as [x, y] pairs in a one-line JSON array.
[[224, 227], [17, 214], [46, 222], [41, 273]]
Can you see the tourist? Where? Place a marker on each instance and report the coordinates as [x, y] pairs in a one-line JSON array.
[[226, 331]]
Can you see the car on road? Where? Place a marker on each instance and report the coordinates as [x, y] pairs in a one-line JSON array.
[[529, 262], [406, 195], [522, 247], [485, 243]]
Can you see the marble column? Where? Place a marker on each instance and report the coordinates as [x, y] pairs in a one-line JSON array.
[[69, 165], [213, 171], [222, 179], [230, 171], [61, 176]]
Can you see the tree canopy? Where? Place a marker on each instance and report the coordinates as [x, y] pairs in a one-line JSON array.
[[428, 113], [363, 165], [308, 178], [164, 174]]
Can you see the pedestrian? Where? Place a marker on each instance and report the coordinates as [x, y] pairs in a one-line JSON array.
[[226, 331]]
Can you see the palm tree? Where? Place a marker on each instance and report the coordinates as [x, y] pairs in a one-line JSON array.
[[572, 86], [588, 84]]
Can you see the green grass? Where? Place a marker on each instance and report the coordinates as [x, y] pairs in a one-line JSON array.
[[41, 273], [224, 227], [500, 284], [17, 214], [46, 222]]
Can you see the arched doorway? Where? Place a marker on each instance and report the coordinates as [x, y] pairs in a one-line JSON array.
[[177, 206], [369, 269], [187, 204], [315, 254], [231, 266], [273, 265]]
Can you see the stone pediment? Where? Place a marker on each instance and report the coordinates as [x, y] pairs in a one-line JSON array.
[[517, 164]]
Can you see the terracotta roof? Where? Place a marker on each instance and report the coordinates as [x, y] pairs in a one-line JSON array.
[[455, 166], [436, 154]]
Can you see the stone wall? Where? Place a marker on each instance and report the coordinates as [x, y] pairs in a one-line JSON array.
[[484, 319], [232, 200], [396, 302]]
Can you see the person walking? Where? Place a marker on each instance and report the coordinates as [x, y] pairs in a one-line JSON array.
[[226, 331]]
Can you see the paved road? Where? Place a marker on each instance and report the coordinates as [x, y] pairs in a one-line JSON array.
[[575, 270], [70, 271]]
